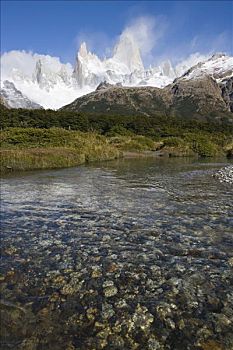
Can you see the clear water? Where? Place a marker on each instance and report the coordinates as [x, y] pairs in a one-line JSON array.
[[130, 254]]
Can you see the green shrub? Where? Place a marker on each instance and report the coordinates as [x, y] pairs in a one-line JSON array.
[[134, 143], [30, 148], [202, 145], [173, 141], [118, 130]]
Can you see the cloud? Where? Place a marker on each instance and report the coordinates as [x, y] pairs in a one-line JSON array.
[[146, 31], [194, 42], [156, 37], [21, 61]]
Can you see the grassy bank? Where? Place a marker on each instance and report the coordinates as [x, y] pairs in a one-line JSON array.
[[34, 148], [187, 145], [28, 149]]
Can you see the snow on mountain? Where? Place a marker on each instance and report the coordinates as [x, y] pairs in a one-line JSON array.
[[52, 84], [89, 69], [189, 62], [125, 67], [219, 67], [127, 52], [14, 98], [42, 78]]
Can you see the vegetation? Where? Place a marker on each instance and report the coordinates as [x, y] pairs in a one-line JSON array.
[[30, 148], [134, 143], [157, 126], [32, 139]]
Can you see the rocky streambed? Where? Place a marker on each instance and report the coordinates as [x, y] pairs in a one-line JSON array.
[[135, 254], [225, 174]]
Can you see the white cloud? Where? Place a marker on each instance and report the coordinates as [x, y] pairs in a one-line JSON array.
[[146, 31], [25, 62]]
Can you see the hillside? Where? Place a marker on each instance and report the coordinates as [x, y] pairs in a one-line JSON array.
[[195, 98]]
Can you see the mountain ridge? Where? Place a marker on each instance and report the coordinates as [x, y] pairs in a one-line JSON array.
[[197, 98], [13, 98], [53, 84]]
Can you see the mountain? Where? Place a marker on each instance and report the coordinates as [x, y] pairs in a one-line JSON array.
[[226, 86], [199, 97], [120, 100], [203, 90], [41, 78], [53, 84], [127, 52], [3, 103], [13, 98], [125, 67], [218, 66], [196, 98]]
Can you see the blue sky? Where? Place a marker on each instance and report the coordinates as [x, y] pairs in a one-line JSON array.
[[175, 28]]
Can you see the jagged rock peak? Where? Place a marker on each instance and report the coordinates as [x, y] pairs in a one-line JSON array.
[[167, 69], [127, 51], [83, 50], [104, 85]]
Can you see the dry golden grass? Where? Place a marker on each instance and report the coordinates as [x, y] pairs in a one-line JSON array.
[[28, 149]]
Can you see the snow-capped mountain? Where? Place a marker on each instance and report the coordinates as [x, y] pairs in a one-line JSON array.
[[125, 67], [52, 84], [14, 98], [219, 67]]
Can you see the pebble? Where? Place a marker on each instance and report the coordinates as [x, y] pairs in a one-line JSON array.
[[110, 291], [225, 174], [159, 279]]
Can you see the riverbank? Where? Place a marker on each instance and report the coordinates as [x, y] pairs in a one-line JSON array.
[[30, 149], [33, 148]]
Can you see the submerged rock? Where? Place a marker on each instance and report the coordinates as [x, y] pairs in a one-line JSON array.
[[225, 174]]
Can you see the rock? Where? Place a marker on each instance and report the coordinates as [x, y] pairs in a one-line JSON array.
[[103, 85], [110, 291], [107, 311], [225, 174], [96, 271], [91, 313], [142, 318]]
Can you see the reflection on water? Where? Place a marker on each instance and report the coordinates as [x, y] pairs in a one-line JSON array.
[[130, 254]]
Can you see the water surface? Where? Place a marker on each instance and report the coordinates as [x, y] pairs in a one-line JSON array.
[[129, 254]]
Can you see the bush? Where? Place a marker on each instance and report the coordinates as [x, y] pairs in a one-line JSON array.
[[118, 130], [30, 148], [202, 145], [134, 143], [173, 141]]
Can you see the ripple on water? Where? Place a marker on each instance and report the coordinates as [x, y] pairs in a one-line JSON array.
[[134, 254]]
